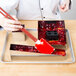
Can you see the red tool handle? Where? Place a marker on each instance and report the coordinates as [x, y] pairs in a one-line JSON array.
[[23, 30], [29, 34]]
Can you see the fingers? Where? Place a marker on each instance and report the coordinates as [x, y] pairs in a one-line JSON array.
[[13, 26], [64, 9], [10, 29], [64, 6]]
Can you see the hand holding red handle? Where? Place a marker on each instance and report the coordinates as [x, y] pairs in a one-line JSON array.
[[42, 45]]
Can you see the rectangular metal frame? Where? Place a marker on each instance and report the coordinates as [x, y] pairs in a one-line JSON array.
[[70, 45]]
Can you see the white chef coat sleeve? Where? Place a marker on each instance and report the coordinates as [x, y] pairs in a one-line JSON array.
[[10, 6], [69, 3]]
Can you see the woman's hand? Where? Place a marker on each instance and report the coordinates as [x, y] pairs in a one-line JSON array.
[[10, 25], [64, 5]]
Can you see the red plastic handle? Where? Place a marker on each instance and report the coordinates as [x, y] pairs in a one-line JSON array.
[[29, 34]]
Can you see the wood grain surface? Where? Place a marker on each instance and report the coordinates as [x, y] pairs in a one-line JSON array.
[[40, 69]]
